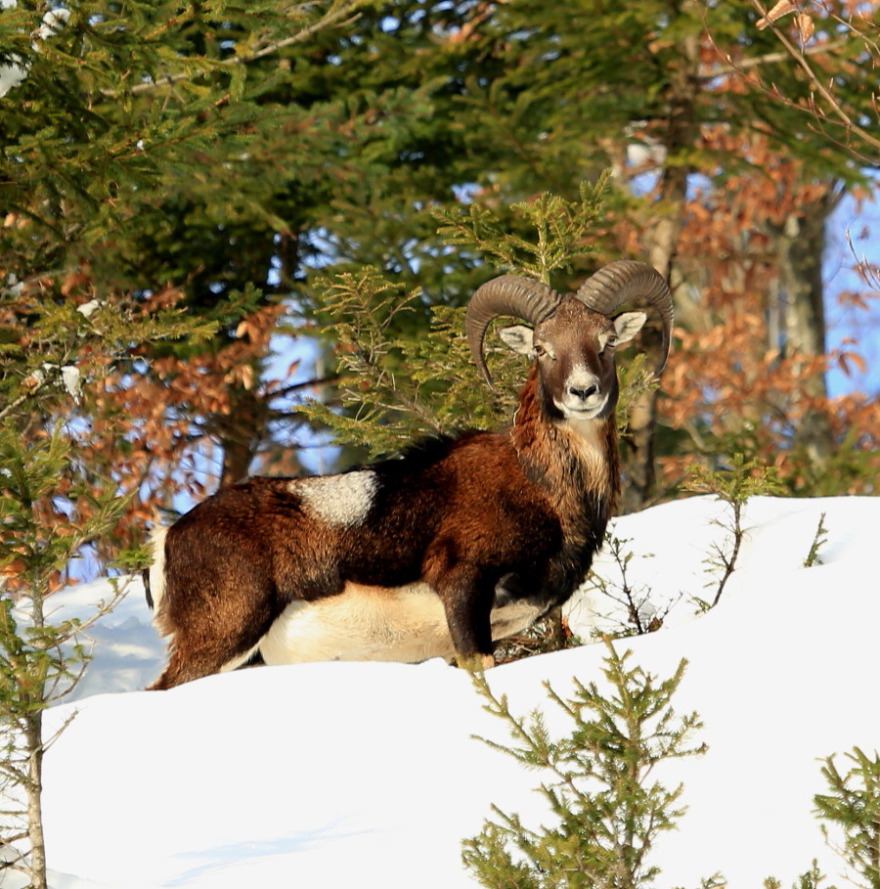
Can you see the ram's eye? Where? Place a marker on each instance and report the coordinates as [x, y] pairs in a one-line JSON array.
[[539, 350], [610, 342]]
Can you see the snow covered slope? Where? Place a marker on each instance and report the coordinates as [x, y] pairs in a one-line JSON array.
[[333, 775]]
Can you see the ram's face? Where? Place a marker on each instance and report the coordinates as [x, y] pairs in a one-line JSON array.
[[575, 350]]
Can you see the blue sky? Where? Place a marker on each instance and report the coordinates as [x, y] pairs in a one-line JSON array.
[[859, 224]]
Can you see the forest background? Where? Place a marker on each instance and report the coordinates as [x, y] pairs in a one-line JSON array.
[[232, 231], [216, 212]]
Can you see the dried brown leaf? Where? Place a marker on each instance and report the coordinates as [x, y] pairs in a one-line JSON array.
[[783, 7], [806, 27]]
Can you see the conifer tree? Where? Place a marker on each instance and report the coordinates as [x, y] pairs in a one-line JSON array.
[[535, 97], [148, 153], [608, 809], [110, 112], [54, 503], [851, 806], [397, 386]]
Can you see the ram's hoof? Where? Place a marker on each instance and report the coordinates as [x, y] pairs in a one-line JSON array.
[[476, 663]]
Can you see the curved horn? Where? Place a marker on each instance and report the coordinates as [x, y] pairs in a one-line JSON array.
[[514, 295], [619, 282]]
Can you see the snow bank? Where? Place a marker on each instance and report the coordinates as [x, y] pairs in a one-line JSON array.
[[326, 775]]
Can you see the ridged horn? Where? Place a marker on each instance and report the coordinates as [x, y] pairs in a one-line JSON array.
[[624, 281], [514, 295]]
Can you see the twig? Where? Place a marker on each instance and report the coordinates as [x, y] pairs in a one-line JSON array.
[[297, 387], [770, 58], [60, 730], [16, 402], [729, 562]]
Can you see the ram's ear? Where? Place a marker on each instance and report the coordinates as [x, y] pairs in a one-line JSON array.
[[519, 338], [627, 325]]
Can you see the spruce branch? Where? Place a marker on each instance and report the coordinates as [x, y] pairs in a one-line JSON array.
[[820, 538], [557, 231], [607, 811], [339, 14], [852, 805], [734, 486]]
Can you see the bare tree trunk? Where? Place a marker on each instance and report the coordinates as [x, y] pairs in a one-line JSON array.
[[637, 453], [33, 739], [241, 433], [800, 310], [238, 454]]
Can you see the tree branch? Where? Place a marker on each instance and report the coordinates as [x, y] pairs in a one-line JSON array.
[[800, 57], [770, 58], [335, 16], [298, 387], [17, 402]]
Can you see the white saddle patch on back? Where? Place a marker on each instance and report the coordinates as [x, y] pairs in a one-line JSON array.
[[338, 499]]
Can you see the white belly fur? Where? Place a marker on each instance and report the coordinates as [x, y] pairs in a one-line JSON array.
[[366, 623]]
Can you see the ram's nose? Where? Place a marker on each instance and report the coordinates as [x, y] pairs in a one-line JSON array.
[[582, 393]]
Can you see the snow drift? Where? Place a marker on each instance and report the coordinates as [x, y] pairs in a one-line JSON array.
[[336, 774]]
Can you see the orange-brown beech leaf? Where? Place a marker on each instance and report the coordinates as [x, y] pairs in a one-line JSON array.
[[845, 359], [75, 281], [242, 375], [166, 298], [247, 330], [805, 26], [259, 326], [854, 299], [783, 7]]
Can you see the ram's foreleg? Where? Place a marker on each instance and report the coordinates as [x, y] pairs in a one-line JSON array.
[[467, 593]]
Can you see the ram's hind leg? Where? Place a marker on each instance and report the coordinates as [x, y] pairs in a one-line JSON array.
[[208, 639], [184, 665], [194, 658]]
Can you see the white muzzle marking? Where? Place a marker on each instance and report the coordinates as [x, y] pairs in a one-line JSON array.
[[582, 397]]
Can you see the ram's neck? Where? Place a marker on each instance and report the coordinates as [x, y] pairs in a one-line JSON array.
[[577, 463]]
